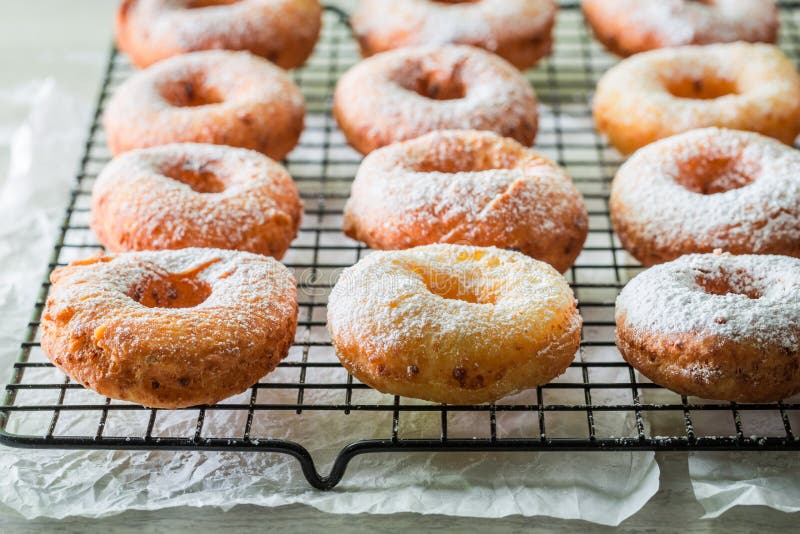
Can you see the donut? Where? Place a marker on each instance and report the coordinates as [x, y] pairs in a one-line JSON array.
[[408, 92], [519, 31], [656, 94], [453, 323], [218, 97], [627, 27], [193, 195], [281, 31], [707, 189], [171, 328], [716, 326], [471, 188]]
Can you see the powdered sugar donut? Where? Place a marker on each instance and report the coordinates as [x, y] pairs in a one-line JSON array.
[[740, 86], [467, 187], [628, 27], [282, 31], [453, 323], [192, 195], [170, 329], [218, 97], [408, 92], [715, 325], [519, 31], [708, 189]]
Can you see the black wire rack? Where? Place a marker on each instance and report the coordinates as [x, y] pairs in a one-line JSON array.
[[600, 403]]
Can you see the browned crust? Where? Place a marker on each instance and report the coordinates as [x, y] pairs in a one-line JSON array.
[[120, 212], [290, 50], [634, 238], [185, 378], [506, 224], [511, 369], [711, 367], [366, 133], [523, 53], [620, 37]]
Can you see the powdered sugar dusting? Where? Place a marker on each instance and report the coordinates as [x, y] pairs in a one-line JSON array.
[[487, 23], [634, 106], [682, 22], [669, 299], [249, 293], [648, 197], [522, 198], [275, 29], [497, 97], [255, 95], [384, 300]]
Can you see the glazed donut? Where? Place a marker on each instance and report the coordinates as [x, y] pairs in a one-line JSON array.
[[519, 31], [452, 323], [708, 189], [627, 27], [467, 187], [660, 93], [716, 326], [408, 92], [282, 31], [172, 328], [191, 195], [218, 97]]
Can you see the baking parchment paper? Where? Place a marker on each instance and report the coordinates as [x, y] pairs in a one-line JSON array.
[[44, 151]]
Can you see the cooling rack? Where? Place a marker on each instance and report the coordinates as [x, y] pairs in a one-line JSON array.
[[599, 404]]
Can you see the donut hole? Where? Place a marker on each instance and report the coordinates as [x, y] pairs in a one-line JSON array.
[[201, 180], [703, 88], [714, 175], [171, 291], [195, 4], [723, 282], [464, 285], [435, 84], [190, 92]]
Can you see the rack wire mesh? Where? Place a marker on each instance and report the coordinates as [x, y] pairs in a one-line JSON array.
[[600, 403]]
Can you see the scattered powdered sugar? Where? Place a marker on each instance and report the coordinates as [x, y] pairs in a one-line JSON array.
[[497, 97], [648, 195], [385, 301], [670, 298], [135, 194], [634, 95], [249, 293], [167, 25], [682, 22], [399, 189], [486, 22], [248, 88]]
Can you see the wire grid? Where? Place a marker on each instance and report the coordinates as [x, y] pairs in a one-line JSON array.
[[600, 403]]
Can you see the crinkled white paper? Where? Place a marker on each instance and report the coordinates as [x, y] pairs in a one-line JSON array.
[[604, 488]]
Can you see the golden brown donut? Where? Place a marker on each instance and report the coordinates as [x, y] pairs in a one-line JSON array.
[[192, 195], [656, 94], [627, 27], [172, 328], [519, 31], [409, 92], [453, 323], [471, 188], [716, 326], [217, 97], [281, 31], [708, 189]]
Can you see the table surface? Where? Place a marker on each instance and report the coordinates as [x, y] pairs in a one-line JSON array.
[[68, 41]]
